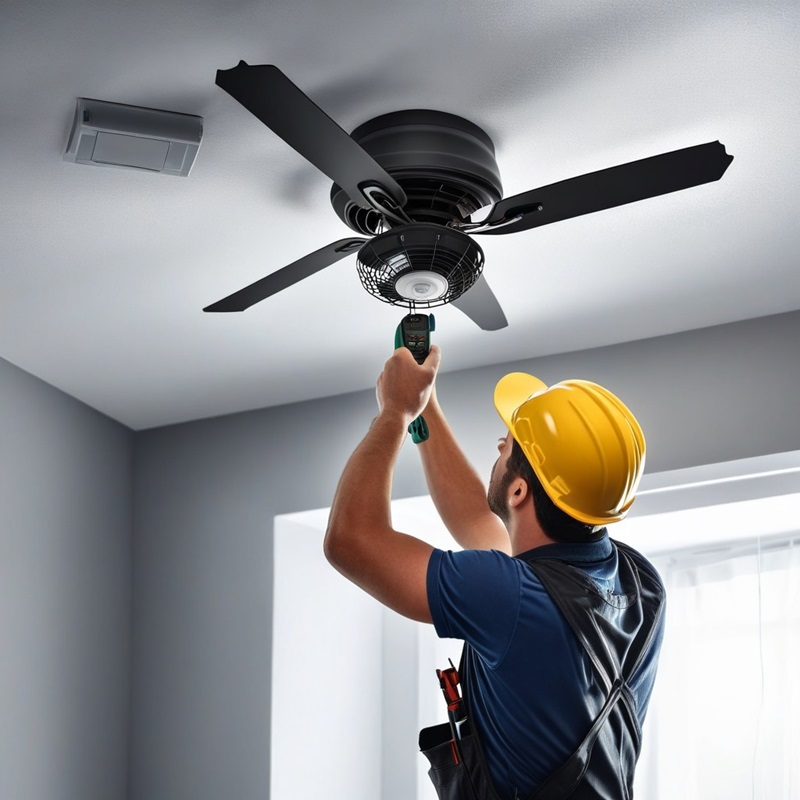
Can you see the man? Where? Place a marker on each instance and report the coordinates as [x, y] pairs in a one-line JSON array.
[[562, 626]]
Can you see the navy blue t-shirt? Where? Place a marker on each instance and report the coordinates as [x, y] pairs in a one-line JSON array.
[[529, 673]]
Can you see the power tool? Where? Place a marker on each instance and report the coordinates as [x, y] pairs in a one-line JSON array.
[[414, 332]]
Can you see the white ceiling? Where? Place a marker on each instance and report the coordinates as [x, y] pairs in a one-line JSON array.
[[104, 272]]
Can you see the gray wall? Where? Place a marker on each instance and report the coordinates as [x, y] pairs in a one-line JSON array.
[[65, 595], [206, 494]]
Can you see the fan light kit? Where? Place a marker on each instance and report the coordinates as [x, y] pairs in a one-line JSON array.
[[422, 264], [410, 181], [421, 286]]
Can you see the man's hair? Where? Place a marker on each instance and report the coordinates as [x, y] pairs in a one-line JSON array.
[[557, 524]]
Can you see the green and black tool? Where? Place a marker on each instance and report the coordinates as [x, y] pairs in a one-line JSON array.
[[414, 332]]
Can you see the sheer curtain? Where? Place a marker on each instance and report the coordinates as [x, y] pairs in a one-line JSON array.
[[724, 720]]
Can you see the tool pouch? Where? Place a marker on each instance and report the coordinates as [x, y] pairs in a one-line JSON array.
[[458, 770]]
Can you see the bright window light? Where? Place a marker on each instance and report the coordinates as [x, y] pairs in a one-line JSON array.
[[723, 721]]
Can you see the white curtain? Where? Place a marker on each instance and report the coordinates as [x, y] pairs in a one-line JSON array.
[[724, 720]]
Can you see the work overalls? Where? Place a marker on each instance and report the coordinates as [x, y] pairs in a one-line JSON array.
[[617, 631]]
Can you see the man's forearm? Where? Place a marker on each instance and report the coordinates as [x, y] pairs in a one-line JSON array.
[[456, 489]]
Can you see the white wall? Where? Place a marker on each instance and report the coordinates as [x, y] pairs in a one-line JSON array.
[[327, 681], [65, 595], [373, 672]]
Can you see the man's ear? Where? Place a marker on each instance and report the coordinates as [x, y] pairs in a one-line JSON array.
[[518, 491]]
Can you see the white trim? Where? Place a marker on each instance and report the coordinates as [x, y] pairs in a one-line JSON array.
[[718, 484]]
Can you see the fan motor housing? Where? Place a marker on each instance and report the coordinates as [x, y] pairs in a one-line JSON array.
[[444, 163], [421, 265]]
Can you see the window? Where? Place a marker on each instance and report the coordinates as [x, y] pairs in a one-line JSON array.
[[723, 721]]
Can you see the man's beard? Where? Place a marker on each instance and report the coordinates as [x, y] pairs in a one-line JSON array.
[[497, 493]]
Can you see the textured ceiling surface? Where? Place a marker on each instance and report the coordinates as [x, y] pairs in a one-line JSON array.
[[104, 272]]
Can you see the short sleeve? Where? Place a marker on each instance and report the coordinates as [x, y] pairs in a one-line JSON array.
[[474, 595]]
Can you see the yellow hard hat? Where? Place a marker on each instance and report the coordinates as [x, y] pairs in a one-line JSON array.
[[583, 443]]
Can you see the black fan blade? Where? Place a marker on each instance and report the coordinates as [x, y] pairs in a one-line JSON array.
[[616, 186], [287, 276], [269, 95], [481, 306]]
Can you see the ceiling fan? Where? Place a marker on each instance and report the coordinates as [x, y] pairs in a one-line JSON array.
[[410, 181]]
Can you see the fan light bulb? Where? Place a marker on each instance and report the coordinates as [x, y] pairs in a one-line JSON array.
[[421, 286]]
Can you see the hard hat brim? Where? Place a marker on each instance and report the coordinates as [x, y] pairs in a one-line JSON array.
[[512, 391]]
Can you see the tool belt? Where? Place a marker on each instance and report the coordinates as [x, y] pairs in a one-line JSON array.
[[617, 631]]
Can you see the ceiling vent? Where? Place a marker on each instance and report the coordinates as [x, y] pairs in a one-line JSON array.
[[130, 137]]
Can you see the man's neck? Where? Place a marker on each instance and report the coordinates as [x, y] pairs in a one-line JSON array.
[[526, 534]]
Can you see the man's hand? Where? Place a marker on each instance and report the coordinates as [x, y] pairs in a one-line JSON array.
[[404, 387]]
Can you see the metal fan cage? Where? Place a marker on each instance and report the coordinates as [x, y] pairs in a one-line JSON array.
[[419, 247]]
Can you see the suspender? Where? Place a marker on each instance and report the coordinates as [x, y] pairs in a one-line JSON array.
[[616, 658]]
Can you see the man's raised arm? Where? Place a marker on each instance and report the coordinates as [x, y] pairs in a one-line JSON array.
[[456, 488]]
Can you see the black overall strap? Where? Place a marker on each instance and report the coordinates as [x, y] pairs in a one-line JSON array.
[[616, 631], [566, 779]]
